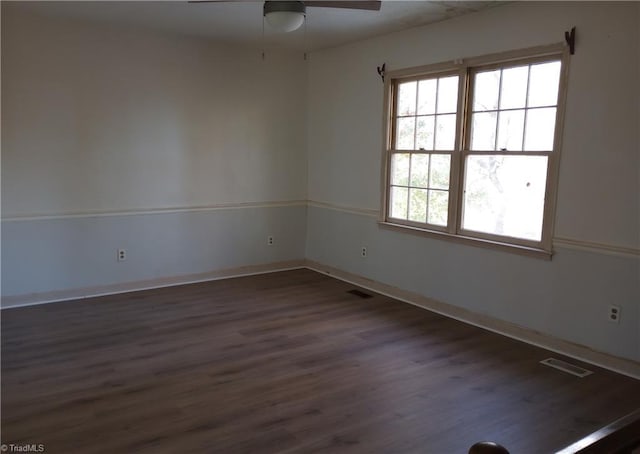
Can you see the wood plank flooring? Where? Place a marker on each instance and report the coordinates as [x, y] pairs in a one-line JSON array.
[[282, 363]]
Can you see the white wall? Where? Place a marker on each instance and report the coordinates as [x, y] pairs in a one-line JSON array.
[[98, 119], [599, 187]]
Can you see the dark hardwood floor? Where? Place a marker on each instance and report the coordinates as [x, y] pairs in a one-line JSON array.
[[283, 362]]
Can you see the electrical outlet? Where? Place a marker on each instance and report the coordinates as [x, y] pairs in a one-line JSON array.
[[122, 255], [363, 253], [614, 314], [270, 240]]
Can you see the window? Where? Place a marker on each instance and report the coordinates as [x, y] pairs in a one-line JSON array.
[[472, 148]]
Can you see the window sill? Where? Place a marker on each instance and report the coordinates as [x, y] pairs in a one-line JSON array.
[[471, 241]]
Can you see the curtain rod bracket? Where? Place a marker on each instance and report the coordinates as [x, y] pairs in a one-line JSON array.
[[381, 71], [570, 38]]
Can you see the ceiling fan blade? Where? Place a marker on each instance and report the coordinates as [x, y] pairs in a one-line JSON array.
[[354, 4], [219, 1]]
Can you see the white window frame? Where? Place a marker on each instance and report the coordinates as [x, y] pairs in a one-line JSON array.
[[465, 69]]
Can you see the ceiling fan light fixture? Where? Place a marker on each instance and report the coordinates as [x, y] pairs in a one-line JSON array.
[[284, 16]]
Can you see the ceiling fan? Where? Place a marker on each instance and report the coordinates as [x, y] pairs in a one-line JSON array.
[[287, 16]]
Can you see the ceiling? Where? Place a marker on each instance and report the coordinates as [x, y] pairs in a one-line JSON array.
[[240, 22]]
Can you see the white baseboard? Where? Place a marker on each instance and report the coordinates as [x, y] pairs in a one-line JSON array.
[[580, 352], [75, 294]]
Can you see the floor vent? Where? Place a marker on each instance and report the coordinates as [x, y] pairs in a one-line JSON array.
[[360, 294], [566, 367]]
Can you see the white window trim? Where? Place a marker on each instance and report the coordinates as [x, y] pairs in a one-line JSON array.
[[454, 231]]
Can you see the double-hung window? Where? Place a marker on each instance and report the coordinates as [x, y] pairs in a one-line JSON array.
[[472, 148]]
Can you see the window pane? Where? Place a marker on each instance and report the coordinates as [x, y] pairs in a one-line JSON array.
[[440, 170], [504, 195], [438, 207], [419, 170], [398, 202], [541, 125], [510, 130], [427, 97], [418, 205], [445, 132], [485, 91], [424, 134], [448, 94], [543, 84], [407, 98], [483, 131], [405, 133], [514, 87], [400, 169]]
